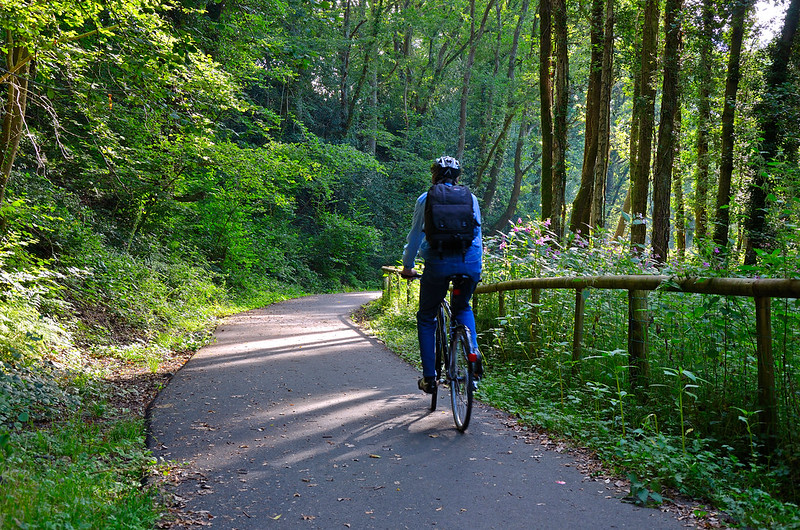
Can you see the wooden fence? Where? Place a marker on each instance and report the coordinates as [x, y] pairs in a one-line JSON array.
[[638, 287]]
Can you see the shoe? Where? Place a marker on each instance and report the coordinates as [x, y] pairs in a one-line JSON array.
[[476, 360], [427, 384]]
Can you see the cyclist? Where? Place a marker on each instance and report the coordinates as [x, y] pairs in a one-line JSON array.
[[439, 266]]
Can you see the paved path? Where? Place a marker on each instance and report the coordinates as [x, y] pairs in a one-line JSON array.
[[295, 418]]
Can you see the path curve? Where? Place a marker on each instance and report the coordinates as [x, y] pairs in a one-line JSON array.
[[295, 418]]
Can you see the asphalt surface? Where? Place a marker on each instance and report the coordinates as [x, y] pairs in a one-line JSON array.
[[296, 418]]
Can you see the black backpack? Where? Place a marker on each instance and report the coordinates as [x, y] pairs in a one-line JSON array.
[[449, 219]]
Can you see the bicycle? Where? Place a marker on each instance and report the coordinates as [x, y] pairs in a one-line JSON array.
[[455, 361]]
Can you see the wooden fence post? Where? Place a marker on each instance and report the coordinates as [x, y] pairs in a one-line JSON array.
[[536, 296], [577, 335], [637, 339], [767, 401]]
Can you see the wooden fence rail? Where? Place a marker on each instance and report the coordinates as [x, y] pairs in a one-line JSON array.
[[638, 286]]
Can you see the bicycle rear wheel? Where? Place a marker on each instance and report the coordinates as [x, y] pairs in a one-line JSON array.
[[461, 380], [442, 326]]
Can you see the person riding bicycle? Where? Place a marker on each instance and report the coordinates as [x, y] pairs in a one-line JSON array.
[[439, 267]]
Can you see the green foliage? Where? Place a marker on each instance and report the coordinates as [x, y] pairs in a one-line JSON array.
[[394, 321], [76, 476]]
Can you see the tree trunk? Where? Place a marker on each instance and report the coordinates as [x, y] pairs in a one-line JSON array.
[[560, 108], [494, 160], [582, 205], [487, 120], [626, 210], [703, 124], [641, 182], [665, 155], [511, 109], [372, 134], [769, 112], [405, 51], [546, 99], [633, 141], [519, 173], [722, 217], [344, 65], [18, 67], [677, 192], [597, 210], [474, 39]]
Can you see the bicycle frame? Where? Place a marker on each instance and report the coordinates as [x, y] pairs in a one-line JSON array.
[[454, 360], [454, 366]]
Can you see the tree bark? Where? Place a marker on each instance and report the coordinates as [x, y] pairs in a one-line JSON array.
[[560, 108], [703, 124], [344, 65], [474, 39], [372, 134], [626, 210], [722, 217], [494, 159], [677, 192], [510, 112], [633, 141], [488, 96], [546, 99], [581, 206], [665, 155], [519, 173], [18, 65], [597, 210], [640, 183], [769, 112]]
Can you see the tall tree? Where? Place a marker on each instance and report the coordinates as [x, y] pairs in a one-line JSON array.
[[475, 36], [560, 110], [704, 121], [489, 92], [677, 191], [18, 67], [596, 213], [644, 111], [770, 113], [511, 105], [546, 101], [519, 173], [722, 211], [633, 137], [581, 206], [667, 144]]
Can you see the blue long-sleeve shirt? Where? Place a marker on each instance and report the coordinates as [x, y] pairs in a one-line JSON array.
[[417, 243]]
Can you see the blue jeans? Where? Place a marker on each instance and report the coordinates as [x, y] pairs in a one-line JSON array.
[[432, 290]]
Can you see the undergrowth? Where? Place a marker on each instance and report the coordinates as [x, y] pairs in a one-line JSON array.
[[72, 447], [76, 475]]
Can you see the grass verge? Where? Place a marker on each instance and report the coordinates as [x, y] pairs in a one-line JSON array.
[[74, 474]]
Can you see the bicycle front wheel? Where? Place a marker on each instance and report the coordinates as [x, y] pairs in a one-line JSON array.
[[442, 327], [461, 380]]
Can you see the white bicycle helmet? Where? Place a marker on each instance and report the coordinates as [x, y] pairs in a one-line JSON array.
[[446, 162], [448, 166]]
